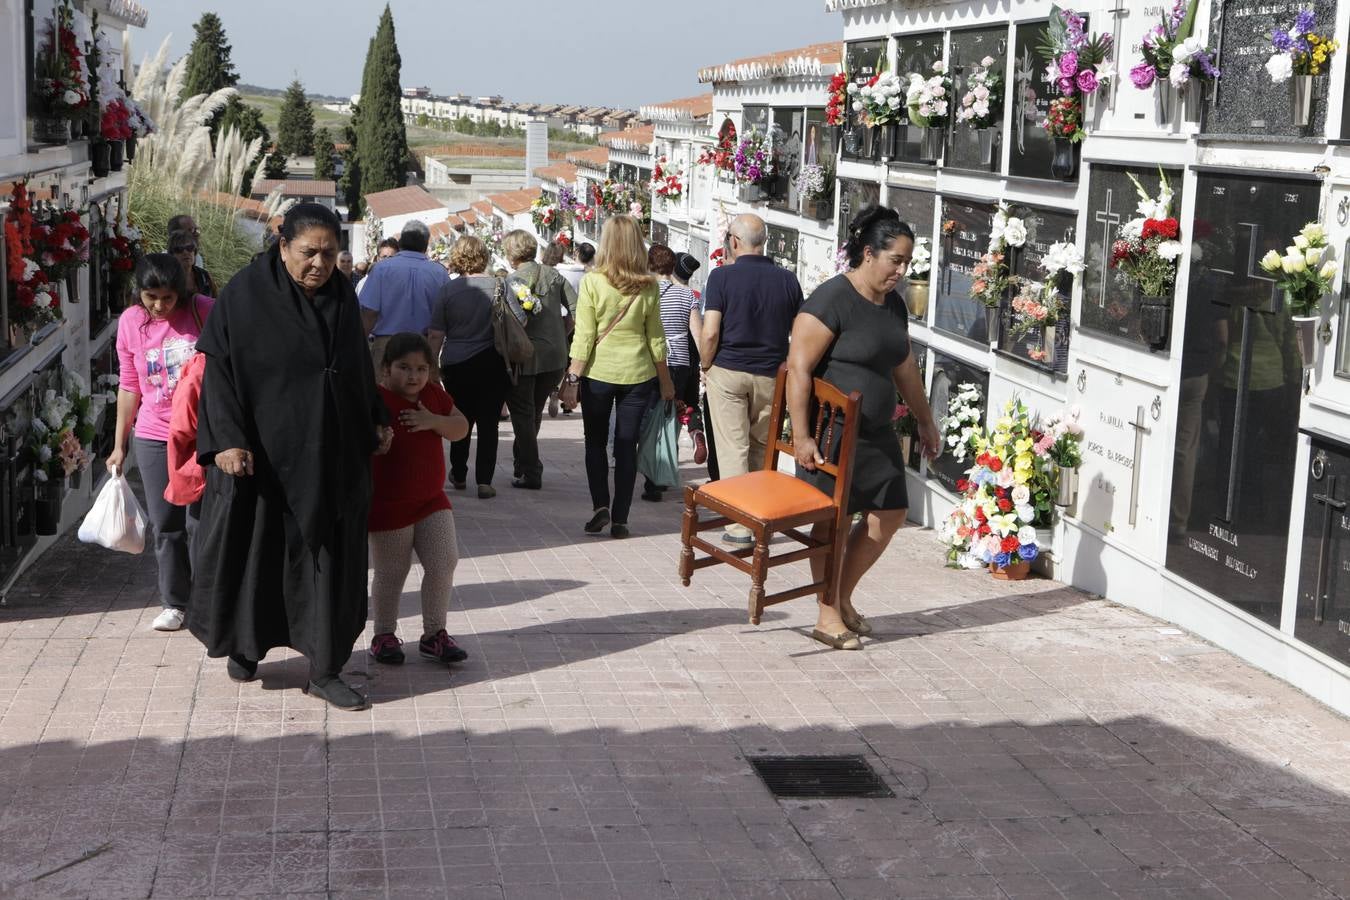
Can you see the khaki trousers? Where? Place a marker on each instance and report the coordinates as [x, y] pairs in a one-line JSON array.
[[739, 404]]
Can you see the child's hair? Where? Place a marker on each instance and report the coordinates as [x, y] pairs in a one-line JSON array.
[[400, 345], [163, 272]]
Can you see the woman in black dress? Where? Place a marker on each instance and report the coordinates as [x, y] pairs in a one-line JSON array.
[[854, 333]]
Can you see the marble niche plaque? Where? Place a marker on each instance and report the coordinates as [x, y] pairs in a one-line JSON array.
[[914, 53], [920, 351], [916, 209], [1323, 614], [1238, 400], [699, 250], [782, 246], [815, 262], [854, 197], [1118, 484], [1110, 302], [1029, 94], [968, 48], [1044, 227], [962, 240], [862, 60], [949, 374], [660, 233], [1246, 101]]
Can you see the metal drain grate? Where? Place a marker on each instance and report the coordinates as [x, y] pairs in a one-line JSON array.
[[819, 776]]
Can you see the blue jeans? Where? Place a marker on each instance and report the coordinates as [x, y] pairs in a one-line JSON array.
[[627, 403]]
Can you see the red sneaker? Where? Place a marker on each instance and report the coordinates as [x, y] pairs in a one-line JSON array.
[[386, 648], [700, 448], [442, 648]]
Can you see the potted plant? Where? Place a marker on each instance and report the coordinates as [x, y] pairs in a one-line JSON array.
[[1146, 254], [879, 101], [1061, 443], [815, 186], [61, 83], [991, 273], [982, 106], [928, 105], [920, 267], [1305, 277], [1175, 61], [1301, 57], [750, 165], [1078, 65], [1041, 305]]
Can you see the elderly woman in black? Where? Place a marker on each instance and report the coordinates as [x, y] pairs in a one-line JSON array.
[[854, 333], [288, 421]]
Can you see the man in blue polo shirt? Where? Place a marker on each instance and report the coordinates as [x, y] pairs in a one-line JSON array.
[[747, 317], [399, 294]]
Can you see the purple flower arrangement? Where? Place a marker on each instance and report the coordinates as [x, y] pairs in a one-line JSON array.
[[1075, 63], [751, 161], [1172, 53], [567, 198]]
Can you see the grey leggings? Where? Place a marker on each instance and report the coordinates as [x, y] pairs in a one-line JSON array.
[[391, 557], [173, 526]]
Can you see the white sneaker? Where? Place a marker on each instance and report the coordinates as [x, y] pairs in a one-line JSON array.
[[168, 620]]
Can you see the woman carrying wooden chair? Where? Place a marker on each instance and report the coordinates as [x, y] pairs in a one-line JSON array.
[[853, 333]]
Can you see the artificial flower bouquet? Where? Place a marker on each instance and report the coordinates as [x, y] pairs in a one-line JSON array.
[[1076, 64], [115, 122], [543, 213], [667, 180], [1064, 119], [750, 163], [815, 181], [982, 103], [964, 422], [879, 100], [991, 272], [928, 100], [838, 102], [903, 420], [60, 242], [62, 79], [921, 262], [1061, 439], [1298, 50], [1041, 304], [61, 430], [1172, 53], [1305, 275], [720, 156], [1149, 245]]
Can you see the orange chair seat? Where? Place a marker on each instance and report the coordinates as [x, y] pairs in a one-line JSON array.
[[767, 495]]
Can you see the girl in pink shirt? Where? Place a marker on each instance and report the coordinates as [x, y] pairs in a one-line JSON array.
[[156, 339]]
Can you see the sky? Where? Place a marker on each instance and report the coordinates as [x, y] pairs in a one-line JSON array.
[[605, 52]]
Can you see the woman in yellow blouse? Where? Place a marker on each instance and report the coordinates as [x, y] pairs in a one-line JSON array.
[[618, 366]]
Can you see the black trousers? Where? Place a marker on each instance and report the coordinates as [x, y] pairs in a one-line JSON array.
[[526, 402], [478, 386], [626, 403]]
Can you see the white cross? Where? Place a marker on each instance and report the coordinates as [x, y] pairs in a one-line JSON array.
[[1118, 13], [1106, 218]]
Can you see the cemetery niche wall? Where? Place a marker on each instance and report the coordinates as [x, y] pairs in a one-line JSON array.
[[964, 236], [1241, 379], [1044, 227], [969, 148], [913, 53]]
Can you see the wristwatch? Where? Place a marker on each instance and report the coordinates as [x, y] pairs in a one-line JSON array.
[[571, 378]]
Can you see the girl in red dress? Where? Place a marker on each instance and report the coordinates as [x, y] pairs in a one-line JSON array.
[[409, 510]]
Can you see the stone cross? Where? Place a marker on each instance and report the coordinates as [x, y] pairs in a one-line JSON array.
[[1117, 14], [1140, 429], [1106, 218], [1329, 503]]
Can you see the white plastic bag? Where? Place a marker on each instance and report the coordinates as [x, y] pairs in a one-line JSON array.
[[116, 520]]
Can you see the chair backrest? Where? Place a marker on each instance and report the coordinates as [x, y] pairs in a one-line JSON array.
[[834, 425]]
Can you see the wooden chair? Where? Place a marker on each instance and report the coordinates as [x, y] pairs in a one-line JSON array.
[[769, 502]]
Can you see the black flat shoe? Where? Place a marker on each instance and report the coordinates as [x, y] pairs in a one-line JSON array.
[[618, 531], [597, 522], [652, 496], [526, 483], [338, 693], [241, 668]]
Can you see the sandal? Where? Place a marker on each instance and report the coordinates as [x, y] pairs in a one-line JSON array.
[[846, 641], [858, 625]]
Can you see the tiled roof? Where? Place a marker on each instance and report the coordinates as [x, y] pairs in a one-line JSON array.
[[569, 110], [841, 5], [592, 157], [295, 187], [482, 207], [440, 229], [515, 202], [803, 61], [639, 138], [401, 201], [254, 209], [455, 221], [684, 109], [563, 172], [467, 216]]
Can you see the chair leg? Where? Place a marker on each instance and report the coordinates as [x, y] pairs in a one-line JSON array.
[[760, 574], [687, 531]]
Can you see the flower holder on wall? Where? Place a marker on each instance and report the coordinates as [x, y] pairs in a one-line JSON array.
[[1155, 319], [1064, 164]]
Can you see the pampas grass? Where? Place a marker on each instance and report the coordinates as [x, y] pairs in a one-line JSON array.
[[177, 171]]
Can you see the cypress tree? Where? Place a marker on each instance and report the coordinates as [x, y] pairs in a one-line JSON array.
[[382, 140], [249, 120], [349, 186], [323, 155], [295, 128], [209, 67], [274, 167]]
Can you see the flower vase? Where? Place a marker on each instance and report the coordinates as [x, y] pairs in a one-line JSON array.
[[1164, 102], [131, 148], [115, 156], [100, 158], [1305, 335], [930, 144], [76, 478], [1066, 485], [1301, 97], [51, 130], [1048, 344], [50, 493], [916, 298], [1193, 100], [850, 140], [1012, 572], [906, 445], [1155, 320], [818, 208], [750, 193], [1064, 164], [991, 317], [986, 136]]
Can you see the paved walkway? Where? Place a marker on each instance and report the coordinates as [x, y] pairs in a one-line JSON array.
[[1040, 743]]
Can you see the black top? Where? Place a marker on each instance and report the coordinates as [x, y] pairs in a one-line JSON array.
[[463, 313], [758, 300], [870, 341]]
